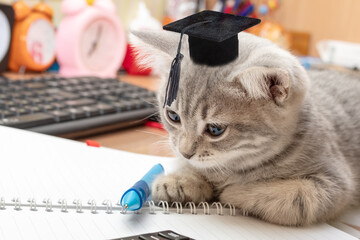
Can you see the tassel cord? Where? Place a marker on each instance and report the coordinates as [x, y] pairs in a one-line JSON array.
[[174, 75]]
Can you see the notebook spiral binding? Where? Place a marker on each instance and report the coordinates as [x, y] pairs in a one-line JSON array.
[[107, 206]]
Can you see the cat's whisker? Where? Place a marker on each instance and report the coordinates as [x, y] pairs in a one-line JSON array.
[[154, 104], [149, 116], [220, 168], [163, 141], [162, 144], [156, 134]]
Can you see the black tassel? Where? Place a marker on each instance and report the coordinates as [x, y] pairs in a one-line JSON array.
[[174, 76], [173, 80]]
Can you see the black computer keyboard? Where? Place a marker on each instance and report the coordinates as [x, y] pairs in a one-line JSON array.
[[60, 106]]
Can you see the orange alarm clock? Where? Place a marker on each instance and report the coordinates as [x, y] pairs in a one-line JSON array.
[[33, 38]]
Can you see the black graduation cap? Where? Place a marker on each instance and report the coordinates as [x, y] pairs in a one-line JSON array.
[[213, 41]]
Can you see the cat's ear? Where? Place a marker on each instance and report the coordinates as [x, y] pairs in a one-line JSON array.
[[155, 48], [159, 40], [263, 82]]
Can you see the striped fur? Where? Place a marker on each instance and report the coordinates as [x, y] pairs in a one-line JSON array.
[[290, 154]]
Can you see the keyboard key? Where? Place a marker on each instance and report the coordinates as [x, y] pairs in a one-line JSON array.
[[79, 89], [49, 99], [68, 95], [64, 83], [19, 111], [77, 113], [6, 113], [3, 81], [104, 92], [88, 87], [112, 81], [74, 81], [5, 89], [120, 106], [16, 95], [150, 102], [37, 80], [80, 102], [132, 105], [172, 235], [61, 115], [59, 105], [105, 108], [47, 107], [123, 84], [60, 94], [147, 95], [9, 103], [53, 84], [22, 111], [28, 121], [69, 89], [109, 99], [86, 94], [14, 88], [118, 92], [91, 111], [22, 102], [37, 85], [4, 96], [90, 80], [25, 102], [132, 95], [36, 101], [103, 86], [139, 104], [95, 94], [28, 94], [2, 104], [53, 91], [163, 235], [40, 93], [33, 109]]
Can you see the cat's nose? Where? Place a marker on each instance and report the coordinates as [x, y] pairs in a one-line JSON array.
[[187, 146], [187, 156]]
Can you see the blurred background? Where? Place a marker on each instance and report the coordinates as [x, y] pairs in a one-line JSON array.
[[293, 24], [83, 54]]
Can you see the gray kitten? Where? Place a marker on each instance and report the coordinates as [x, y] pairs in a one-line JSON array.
[[258, 133]]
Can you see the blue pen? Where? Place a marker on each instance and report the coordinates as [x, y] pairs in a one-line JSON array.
[[134, 198]]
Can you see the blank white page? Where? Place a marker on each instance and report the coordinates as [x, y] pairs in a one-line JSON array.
[[38, 166], [43, 167]]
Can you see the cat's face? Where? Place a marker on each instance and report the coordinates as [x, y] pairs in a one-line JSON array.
[[211, 124], [232, 116]]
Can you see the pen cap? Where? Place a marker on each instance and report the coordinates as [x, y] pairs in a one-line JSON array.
[[135, 197], [155, 171]]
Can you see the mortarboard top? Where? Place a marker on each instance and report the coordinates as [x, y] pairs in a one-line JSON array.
[[212, 35], [213, 41]]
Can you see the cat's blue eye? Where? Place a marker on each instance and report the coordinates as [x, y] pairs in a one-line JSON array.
[[215, 130], [173, 116]]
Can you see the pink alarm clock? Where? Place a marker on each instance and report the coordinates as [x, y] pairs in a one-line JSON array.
[[90, 40]]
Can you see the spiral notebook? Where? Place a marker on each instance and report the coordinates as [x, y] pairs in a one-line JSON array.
[[53, 188]]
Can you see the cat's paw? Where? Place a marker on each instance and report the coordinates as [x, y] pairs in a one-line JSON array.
[[180, 188], [292, 202]]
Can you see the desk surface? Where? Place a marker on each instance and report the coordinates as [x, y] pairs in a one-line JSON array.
[[140, 139]]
